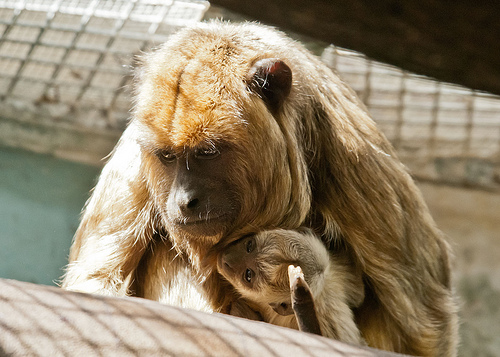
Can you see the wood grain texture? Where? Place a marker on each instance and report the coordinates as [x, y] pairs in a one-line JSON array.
[[42, 321]]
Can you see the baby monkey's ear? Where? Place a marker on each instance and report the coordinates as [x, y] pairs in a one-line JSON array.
[[283, 308]]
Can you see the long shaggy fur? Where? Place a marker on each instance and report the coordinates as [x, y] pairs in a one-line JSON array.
[[318, 161]]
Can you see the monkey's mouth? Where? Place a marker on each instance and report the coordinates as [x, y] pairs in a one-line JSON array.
[[205, 225], [209, 219]]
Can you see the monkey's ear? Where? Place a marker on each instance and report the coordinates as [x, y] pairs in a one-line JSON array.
[[283, 309], [271, 78]]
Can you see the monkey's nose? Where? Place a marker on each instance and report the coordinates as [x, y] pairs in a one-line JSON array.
[[226, 264], [191, 205], [188, 204]]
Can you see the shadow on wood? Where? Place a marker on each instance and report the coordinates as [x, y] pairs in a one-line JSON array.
[[48, 321]]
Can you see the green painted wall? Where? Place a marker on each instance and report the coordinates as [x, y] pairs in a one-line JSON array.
[[40, 202]]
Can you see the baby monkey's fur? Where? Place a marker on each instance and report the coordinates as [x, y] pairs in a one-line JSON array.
[[257, 266]]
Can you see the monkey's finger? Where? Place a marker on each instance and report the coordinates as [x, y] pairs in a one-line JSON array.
[[293, 273], [303, 302], [301, 293]]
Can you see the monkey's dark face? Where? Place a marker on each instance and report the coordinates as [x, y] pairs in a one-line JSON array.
[[200, 198]]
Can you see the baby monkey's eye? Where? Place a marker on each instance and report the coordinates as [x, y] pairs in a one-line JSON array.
[[250, 245], [248, 275]]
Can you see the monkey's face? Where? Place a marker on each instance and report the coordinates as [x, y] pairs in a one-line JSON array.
[[200, 199], [256, 275], [237, 263], [198, 185]]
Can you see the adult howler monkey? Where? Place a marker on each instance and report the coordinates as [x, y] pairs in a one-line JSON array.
[[238, 129]]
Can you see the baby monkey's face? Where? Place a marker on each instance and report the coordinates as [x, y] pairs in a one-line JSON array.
[[238, 264], [252, 265]]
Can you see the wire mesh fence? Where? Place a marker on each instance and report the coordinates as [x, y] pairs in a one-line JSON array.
[[413, 111], [70, 62], [77, 53], [443, 132]]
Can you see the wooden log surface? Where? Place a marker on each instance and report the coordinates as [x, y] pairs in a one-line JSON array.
[[453, 41], [38, 320]]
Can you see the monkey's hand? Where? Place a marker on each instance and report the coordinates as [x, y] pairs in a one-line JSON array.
[[303, 301], [241, 308]]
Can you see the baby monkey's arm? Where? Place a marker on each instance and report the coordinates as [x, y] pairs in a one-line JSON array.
[[303, 301]]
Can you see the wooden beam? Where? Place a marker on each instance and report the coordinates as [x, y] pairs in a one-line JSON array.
[[453, 41], [42, 321]]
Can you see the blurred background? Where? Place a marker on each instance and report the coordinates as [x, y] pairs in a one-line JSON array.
[[65, 71]]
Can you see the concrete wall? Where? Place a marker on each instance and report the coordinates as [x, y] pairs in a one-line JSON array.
[[471, 220], [40, 202]]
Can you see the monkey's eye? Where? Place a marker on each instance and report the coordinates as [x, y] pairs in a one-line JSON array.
[[167, 155], [248, 275], [250, 245], [206, 153]]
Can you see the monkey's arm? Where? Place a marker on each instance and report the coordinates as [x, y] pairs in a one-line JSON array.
[[328, 312], [303, 302], [115, 227]]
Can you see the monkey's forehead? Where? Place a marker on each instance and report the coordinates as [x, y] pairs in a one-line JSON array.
[[190, 114], [195, 87]]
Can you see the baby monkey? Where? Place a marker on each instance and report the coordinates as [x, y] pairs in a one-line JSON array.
[[257, 266]]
